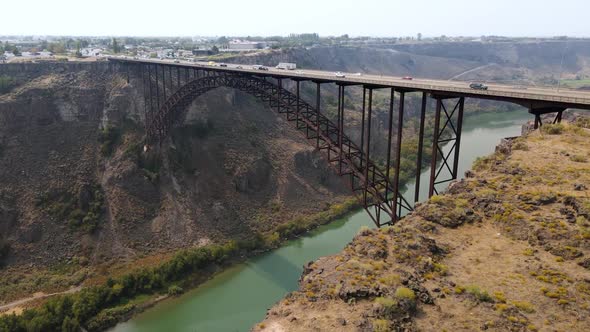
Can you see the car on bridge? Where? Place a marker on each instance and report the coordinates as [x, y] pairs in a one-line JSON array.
[[478, 86], [339, 74], [407, 78], [262, 68]]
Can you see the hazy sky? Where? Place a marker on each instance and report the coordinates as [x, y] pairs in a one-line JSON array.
[[276, 17]]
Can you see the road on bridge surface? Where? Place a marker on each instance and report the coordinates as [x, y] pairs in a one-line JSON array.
[[574, 98]]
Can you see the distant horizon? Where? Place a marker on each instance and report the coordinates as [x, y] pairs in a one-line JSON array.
[[265, 18], [41, 36]]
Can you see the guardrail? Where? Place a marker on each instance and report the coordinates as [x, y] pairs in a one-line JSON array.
[[539, 95]]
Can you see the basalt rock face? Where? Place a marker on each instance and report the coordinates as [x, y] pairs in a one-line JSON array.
[[77, 182]]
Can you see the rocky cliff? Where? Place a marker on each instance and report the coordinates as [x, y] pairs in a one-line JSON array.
[[79, 192], [505, 249]]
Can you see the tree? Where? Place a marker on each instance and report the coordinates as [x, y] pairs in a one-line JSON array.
[[419, 36], [78, 53], [214, 49], [223, 40], [116, 47]]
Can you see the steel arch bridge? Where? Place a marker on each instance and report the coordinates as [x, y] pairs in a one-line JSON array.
[[375, 189], [169, 88]]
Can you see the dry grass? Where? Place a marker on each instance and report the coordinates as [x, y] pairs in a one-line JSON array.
[[513, 268]]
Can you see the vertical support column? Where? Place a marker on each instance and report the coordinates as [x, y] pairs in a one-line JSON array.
[[340, 125], [363, 126], [178, 76], [127, 66], [420, 148], [458, 137], [298, 108], [398, 148], [186, 75], [280, 85], [317, 122], [389, 134], [538, 122], [368, 144], [434, 147]]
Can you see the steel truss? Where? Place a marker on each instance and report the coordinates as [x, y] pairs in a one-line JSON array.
[[168, 93], [169, 90], [447, 167]]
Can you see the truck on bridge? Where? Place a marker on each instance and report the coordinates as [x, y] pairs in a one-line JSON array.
[[286, 65]]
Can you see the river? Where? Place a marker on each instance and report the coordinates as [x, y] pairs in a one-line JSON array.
[[237, 298]]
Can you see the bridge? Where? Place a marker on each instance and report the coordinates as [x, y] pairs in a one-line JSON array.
[[169, 87]]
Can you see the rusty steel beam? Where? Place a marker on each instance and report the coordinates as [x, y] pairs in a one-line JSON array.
[[434, 148], [317, 109], [368, 150], [340, 125], [363, 123], [457, 133], [398, 147], [389, 134], [420, 147]]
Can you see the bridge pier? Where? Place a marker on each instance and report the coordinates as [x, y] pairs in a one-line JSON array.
[[539, 111], [439, 140], [420, 147]]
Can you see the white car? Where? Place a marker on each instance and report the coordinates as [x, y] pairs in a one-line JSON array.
[[299, 71], [339, 74]]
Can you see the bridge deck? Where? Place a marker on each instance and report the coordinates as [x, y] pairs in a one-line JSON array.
[[530, 96]]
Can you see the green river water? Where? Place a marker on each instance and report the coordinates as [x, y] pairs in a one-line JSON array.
[[237, 298]]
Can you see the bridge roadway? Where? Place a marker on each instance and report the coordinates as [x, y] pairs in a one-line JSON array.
[[531, 97]]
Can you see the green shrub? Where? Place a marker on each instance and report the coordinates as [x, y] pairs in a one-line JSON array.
[[405, 293], [6, 83], [583, 122], [389, 306], [552, 129], [579, 158], [478, 294], [64, 205], [175, 290], [109, 137], [381, 325], [520, 145]]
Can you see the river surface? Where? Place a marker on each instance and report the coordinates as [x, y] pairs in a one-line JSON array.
[[238, 298]]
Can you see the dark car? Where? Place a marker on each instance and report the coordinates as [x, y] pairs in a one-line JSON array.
[[478, 86], [222, 65], [263, 68]]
